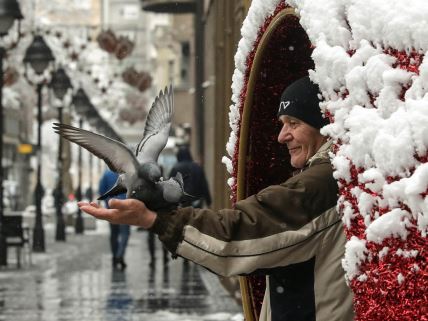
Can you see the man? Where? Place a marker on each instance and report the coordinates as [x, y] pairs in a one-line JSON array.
[[119, 233], [195, 182], [291, 232]]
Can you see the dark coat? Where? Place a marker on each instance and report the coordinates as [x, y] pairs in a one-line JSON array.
[[195, 182]]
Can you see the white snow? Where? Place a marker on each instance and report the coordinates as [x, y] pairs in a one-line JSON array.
[[391, 224], [348, 213], [342, 166], [372, 179], [400, 278], [415, 268], [365, 206], [228, 163], [383, 252], [355, 253], [406, 253], [362, 278]]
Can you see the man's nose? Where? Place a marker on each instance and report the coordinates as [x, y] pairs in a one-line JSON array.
[[284, 135]]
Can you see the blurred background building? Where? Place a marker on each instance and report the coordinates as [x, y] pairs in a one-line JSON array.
[[188, 43]]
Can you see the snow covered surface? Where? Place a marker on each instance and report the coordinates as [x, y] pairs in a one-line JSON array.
[[395, 24], [170, 316], [384, 134]]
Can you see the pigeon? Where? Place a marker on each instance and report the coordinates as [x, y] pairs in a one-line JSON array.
[[140, 176]]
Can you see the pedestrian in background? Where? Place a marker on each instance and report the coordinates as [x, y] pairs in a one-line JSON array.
[[151, 242], [195, 181], [119, 233]]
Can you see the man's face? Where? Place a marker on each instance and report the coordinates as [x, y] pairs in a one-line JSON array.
[[302, 140]]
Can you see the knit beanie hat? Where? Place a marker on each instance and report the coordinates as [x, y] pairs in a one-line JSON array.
[[300, 100]]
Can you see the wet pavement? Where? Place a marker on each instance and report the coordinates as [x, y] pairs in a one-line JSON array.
[[74, 281]]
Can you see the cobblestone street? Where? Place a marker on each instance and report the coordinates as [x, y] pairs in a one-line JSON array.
[[74, 281]]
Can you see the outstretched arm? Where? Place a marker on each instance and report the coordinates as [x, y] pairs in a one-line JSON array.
[[128, 211]]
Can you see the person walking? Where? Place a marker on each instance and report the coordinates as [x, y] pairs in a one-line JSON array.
[[195, 181], [289, 232], [119, 233]]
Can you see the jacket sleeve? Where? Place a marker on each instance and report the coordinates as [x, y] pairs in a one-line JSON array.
[[279, 226]]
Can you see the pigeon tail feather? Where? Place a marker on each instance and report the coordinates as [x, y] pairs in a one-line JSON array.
[[114, 191]]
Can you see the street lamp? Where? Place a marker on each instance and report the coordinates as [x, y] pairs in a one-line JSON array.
[[39, 55], [9, 12], [60, 84], [82, 104]]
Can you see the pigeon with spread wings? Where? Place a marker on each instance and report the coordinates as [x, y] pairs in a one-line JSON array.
[[139, 175]]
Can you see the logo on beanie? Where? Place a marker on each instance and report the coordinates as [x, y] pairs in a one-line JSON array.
[[282, 106]]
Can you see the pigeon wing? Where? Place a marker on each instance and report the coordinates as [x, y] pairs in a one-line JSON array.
[[118, 157], [157, 127]]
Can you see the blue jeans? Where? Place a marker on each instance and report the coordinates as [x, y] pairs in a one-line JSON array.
[[119, 235]]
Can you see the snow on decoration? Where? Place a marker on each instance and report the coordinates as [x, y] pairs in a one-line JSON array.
[[259, 16], [370, 64], [374, 83]]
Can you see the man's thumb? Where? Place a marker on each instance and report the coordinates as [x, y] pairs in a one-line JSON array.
[[122, 204], [115, 203]]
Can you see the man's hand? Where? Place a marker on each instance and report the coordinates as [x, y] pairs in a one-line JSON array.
[[129, 212]]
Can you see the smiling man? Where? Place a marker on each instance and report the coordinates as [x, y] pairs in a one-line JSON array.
[[290, 232], [301, 118]]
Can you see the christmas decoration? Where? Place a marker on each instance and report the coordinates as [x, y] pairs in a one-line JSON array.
[[123, 48], [374, 82], [141, 80], [144, 81], [107, 41], [120, 46], [10, 76]]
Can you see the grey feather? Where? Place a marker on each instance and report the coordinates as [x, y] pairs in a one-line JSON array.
[[140, 175], [172, 191], [158, 125], [118, 157]]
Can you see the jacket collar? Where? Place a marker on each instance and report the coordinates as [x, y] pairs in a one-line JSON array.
[[321, 154]]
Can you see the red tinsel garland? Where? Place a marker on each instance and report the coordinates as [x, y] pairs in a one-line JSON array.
[[393, 286]]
